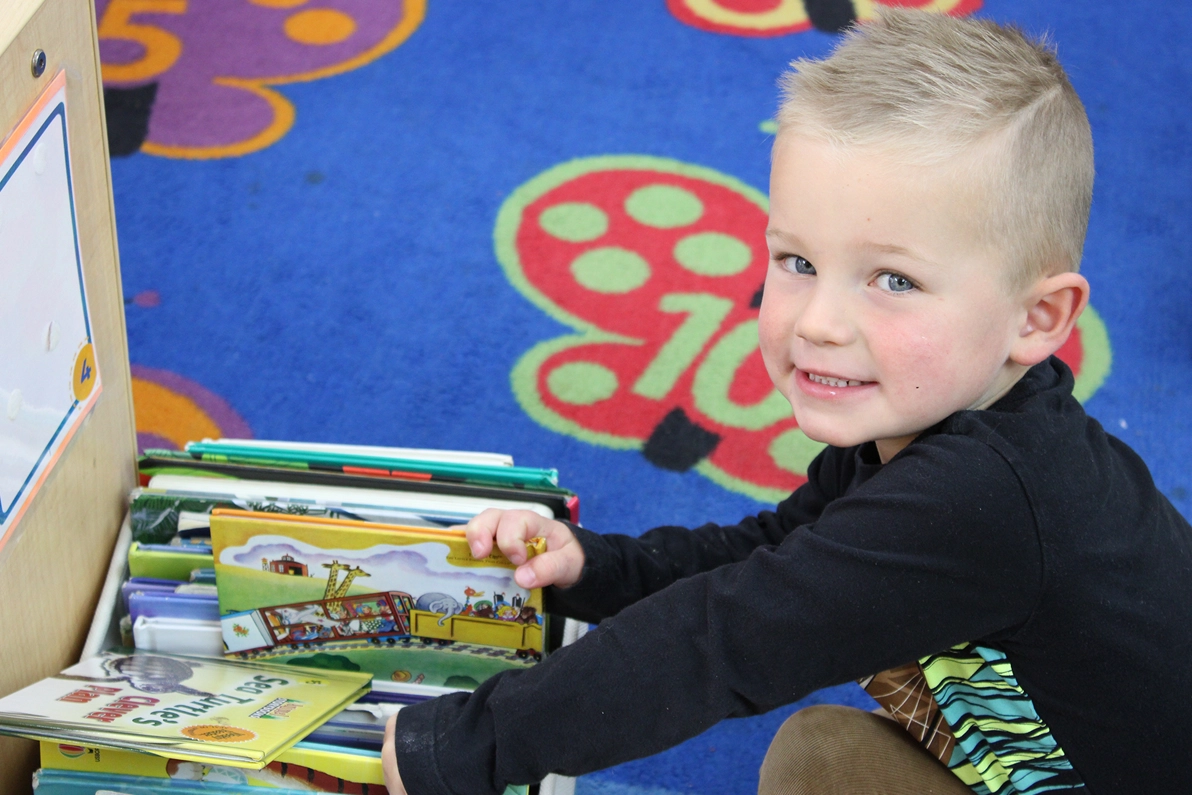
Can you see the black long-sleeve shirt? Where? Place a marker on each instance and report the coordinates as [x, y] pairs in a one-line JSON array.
[[1025, 528]]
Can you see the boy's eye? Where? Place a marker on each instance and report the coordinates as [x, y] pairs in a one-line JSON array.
[[894, 283], [796, 264]]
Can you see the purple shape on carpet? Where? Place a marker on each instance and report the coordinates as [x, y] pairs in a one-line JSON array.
[[120, 51], [146, 440], [231, 424], [231, 42]]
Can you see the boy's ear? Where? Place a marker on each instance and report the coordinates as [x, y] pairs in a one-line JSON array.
[[1052, 307]]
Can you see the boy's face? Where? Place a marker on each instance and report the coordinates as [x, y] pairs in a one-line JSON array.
[[883, 312]]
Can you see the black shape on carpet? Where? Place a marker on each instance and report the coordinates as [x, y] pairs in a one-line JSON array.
[[127, 111], [677, 443]]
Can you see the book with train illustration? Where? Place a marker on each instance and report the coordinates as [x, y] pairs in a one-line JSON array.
[[212, 711], [410, 605]]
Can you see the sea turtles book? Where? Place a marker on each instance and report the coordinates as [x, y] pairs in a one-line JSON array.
[[407, 604], [214, 711]]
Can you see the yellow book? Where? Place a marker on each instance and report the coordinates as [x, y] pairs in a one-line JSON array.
[[306, 766], [200, 710], [292, 584]]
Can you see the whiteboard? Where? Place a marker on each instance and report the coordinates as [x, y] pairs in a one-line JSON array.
[[48, 376]]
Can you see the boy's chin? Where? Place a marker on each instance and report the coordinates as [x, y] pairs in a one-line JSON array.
[[835, 437]]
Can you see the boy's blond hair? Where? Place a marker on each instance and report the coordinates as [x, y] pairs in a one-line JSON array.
[[933, 88]]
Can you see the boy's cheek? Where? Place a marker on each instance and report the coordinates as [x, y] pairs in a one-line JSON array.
[[774, 328], [775, 348], [929, 375], [913, 345]]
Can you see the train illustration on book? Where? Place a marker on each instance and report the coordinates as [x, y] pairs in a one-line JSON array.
[[386, 617]]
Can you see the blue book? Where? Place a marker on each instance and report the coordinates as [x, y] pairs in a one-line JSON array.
[[158, 604]]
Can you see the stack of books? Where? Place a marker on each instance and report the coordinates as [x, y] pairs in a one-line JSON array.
[[272, 604]]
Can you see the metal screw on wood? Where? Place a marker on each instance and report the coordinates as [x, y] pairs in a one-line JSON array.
[[38, 64]]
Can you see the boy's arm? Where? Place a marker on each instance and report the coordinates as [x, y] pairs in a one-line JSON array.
[[619, 569], [938, 550]]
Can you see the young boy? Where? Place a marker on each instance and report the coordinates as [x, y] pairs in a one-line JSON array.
[[1002, 574]]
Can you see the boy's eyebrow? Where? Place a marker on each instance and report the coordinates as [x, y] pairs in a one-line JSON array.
[[878, 248], [901, 251], [786, 237]]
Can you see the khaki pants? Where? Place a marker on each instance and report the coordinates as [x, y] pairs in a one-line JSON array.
[[831, 749]]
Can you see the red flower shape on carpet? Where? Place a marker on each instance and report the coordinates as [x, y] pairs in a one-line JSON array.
[[779, 17]]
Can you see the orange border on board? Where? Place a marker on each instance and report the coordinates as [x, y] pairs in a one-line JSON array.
[[39, 105], [10, 143]]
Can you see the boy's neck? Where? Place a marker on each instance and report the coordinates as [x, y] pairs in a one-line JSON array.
[[888, 448]]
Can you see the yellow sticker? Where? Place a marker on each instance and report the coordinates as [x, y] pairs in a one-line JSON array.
[[211, 733], [85, 374]]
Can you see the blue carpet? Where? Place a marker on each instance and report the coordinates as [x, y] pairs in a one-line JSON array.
[[309, 202]]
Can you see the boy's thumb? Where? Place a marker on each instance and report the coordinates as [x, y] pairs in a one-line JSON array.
[[525, 576], [539, 571]]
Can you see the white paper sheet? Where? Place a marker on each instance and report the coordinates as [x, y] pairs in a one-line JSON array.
[[48, 377]]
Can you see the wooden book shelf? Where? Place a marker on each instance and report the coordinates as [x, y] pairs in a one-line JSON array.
[[53, 563]]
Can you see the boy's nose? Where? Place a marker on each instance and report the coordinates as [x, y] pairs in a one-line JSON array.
[[824, 319]]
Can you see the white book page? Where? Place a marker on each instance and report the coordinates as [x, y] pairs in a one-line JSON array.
[[339, 497], [411, 453]]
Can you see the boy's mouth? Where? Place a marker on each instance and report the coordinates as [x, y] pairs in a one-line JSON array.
[[828, 380]]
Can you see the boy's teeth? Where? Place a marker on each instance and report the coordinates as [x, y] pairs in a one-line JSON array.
[[823, 379]]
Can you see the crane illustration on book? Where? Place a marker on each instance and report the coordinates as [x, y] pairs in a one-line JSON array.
[[424, 582]]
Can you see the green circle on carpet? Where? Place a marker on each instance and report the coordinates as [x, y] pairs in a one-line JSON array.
[[664, 206], [793, 451], [713, 254], [610, 270], [575, 222], [582, 383]]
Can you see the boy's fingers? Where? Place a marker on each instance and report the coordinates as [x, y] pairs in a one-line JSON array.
[[557, 535], [515, 529], [509, 531], [480, 531]]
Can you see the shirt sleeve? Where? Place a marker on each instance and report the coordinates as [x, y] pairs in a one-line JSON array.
[[938, 548], [620, 569]]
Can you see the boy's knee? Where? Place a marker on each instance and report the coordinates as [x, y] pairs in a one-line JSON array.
[[809, 724], [807, 748], [833, 749]]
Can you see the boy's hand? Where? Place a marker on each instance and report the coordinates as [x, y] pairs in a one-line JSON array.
[[389, 760], [561, 563]]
